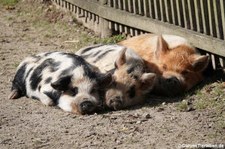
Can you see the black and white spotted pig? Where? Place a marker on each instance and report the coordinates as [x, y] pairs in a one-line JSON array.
[[131, 82], [61, 79]]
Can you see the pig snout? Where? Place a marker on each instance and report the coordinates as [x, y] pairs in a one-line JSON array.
[[116, 103], [173, 81], [169, 86], [87, 106]]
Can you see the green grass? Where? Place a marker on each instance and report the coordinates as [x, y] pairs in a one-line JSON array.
[[9, 2], [90, 39], [211, 99], [182, 106], [212, 96], [111, 40]]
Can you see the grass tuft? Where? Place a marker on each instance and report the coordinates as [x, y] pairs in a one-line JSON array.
[[9, 2], [182, 106]]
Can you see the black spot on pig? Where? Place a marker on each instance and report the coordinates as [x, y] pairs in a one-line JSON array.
[[96, 53], [34, 97], [36, 76], [131, 69], [54, 95], [66, 71], [39, 88], [62, 84], [48, 80], [19, 81], [131, 92], [99, 57], [48, 53], [90, 48], [77, 60], [54, 65], [89, 73]]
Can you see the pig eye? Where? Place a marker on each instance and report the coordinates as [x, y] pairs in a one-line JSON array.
[[113, 84], [184, 72], [134, 76], [94, 90], [131, 92], [74, 91], [164, 67]]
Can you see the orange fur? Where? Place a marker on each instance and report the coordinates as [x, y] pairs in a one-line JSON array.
[[75, 109], [166, 63]]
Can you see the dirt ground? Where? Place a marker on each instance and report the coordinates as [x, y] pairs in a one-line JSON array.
[[31, 27]]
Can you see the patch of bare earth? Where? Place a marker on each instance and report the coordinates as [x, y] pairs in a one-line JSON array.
[[32, 27]]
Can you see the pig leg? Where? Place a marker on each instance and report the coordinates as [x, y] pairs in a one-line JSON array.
[[46, 100], [14, 94], [41, 94], [49, 96]]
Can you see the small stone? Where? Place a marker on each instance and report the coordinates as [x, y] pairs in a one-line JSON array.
[[25, 29], [138, 122], [66, 131], [136, 115], [147, 116], [190, 108], [160, 109]]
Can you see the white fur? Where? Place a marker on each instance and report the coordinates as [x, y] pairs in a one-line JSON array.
[[78, 72], [65, 103], [106, 63]]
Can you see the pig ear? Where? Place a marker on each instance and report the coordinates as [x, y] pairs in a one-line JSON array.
[[62, 83], [148, 81], [105, 80], [121, 59], [200, 63], [161, 46]]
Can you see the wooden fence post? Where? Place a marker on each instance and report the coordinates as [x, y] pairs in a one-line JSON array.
[[104, 24]]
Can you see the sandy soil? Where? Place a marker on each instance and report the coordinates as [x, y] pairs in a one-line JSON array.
[[26, 123]]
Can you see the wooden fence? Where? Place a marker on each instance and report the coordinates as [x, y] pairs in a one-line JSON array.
[[202, 22]]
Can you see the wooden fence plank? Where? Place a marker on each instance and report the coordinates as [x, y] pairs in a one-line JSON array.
[[130, 6], [222, 4], [178, 12], [161, 10], [140, 5], [151, 9], [156, 9], [215, 8], [210, 18], [146, 8], [191, 13], [185, 13], [197, 15], [173, 8], [168, 11]]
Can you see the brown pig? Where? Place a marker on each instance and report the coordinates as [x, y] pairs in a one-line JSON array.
[[177, 64]]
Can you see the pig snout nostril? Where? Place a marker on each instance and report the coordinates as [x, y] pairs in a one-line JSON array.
[[86, 106], [115, 99], [172, 80], [116, 103]]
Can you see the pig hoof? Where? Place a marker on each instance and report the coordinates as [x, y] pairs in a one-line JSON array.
[[14, 94]]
